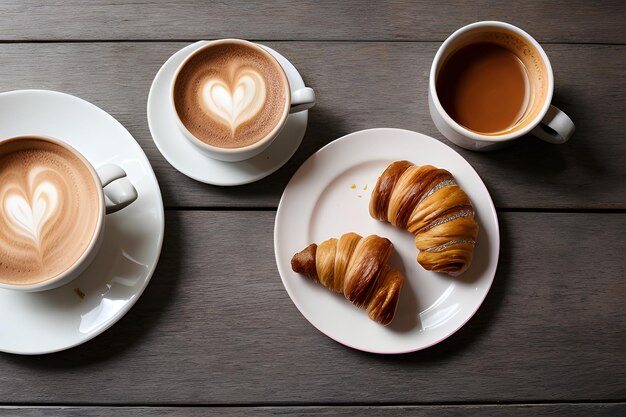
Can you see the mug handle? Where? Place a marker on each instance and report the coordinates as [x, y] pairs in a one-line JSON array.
[[121, 193], [302, 99], [556, 127]]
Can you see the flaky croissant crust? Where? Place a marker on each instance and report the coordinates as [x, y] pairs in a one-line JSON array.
[[428, 202], [356, 267]]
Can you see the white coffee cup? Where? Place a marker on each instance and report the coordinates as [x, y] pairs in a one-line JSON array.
[[120, 192], [543, 120], [297, 101]]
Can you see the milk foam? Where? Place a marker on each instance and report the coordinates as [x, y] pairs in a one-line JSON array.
[[236, 103]]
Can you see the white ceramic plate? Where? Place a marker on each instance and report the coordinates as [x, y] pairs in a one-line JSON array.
[[184, 157], [50, 321], [320, 202]]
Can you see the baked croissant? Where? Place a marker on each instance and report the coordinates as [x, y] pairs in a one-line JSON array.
[[427, 202], [356, 267]]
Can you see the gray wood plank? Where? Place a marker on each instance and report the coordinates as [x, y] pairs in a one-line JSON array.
[[216, 326], [359, 86], [542, 410], [549, 21]]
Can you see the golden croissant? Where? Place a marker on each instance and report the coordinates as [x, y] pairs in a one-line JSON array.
[[356, 267], [428, 202]]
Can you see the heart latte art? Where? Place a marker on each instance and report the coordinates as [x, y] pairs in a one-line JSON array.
[[231, 95], [238, 102], [49, 208], [28, 211]]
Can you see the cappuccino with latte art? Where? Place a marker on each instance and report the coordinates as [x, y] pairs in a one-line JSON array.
[[231, 94], [49, 210], [52, 211]]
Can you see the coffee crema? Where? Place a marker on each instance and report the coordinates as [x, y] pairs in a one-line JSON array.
[[49, 210], [230, 95], [484, 87]]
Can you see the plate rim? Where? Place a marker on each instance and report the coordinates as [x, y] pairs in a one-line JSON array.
[[390, 130], [130, 304]]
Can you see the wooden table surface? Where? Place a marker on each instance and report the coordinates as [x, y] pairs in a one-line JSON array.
[[216, 333]]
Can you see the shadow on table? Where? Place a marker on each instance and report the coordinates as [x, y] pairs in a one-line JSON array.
[[323, 128], [476, 327], [541, 163], [135, 325]]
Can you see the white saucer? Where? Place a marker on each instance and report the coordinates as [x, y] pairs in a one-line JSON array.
[[182, 155], [320, 202], [50, 321]]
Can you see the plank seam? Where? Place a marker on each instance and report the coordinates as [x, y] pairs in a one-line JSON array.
[[191, 40], [313, 404], [499, 210]]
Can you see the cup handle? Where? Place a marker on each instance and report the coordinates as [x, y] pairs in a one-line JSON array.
[[120, 193], [302, 99], [556, 127]]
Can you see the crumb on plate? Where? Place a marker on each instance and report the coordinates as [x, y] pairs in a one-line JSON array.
[[79, 293]]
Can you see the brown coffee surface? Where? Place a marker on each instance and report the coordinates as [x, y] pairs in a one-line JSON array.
[[230, 95], [484, 87], [49, 210]]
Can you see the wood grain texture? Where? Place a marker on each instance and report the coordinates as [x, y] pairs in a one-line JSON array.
[[359, 86], [549, 21], [544, 410], [215, 326]]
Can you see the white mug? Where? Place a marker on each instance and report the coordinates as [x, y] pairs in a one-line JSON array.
[[297, 101], [120, 192], [542, 120]]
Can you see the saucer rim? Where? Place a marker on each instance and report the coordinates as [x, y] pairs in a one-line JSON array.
[[141, 154]]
